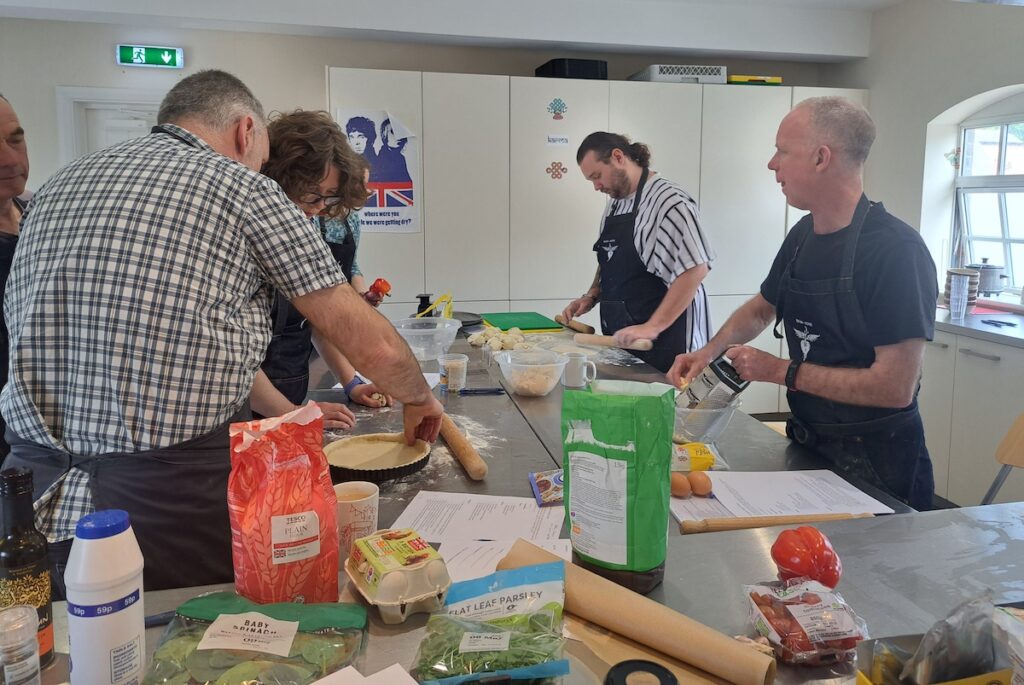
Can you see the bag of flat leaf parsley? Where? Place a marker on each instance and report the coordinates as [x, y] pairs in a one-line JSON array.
[[508, 623]]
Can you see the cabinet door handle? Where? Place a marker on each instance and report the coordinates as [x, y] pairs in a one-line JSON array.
[[971, 353], [941, 346]]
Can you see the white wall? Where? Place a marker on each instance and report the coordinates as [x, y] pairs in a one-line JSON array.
[[926, 57], [284, 71]]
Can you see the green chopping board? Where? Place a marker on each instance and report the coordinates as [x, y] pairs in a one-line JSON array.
[[525, 321]]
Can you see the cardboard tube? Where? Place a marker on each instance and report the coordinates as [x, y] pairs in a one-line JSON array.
[[609, 341], [740, 522], [462, 449], [574, 325], [654, 625]]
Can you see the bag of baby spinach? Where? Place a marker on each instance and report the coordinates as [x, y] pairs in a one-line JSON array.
[[617, 439], [223, 639], [506, 624]]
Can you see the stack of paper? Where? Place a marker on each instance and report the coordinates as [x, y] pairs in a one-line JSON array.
[[776, 493]]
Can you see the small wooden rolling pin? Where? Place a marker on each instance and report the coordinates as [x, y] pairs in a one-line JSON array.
[[609, 341], [741, 522], [460, 446], [574, 325]]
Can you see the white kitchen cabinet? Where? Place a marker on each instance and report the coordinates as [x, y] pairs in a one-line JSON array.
[[758, 398], [667, 118], [465, 185], [742, 208], [555, 212], [397, 257], [936, 402], [801, 93], [986, 401]]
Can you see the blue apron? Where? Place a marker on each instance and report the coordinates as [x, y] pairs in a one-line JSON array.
[[630, 294], [825, 325]]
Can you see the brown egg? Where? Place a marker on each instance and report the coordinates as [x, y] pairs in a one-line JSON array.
[[700, 482], [680, 485]]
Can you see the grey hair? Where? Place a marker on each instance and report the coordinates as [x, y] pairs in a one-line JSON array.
[[843, 124], [214, 97], [4, 99]]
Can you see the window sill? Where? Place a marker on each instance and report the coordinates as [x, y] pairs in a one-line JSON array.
[[1007, 302]]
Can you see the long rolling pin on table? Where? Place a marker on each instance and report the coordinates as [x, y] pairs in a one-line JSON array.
[[462, 450], [574, 325], [714, 525], [609, 341]]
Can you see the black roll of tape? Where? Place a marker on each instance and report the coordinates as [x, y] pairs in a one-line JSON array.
[[618, 673]]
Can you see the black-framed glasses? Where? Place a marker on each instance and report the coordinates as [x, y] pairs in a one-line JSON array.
[[316, 198]]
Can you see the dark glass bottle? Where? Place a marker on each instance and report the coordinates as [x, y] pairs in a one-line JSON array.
[[24, 559]]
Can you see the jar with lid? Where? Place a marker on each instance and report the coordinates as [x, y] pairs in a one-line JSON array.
[[24, 556], [19, 649]]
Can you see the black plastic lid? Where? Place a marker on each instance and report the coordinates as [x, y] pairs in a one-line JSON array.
[[15, 481]]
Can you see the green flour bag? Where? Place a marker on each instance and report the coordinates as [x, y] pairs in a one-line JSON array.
[[617, 439]]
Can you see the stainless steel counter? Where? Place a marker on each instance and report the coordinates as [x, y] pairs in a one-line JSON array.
[[971, 326], [901, 573]]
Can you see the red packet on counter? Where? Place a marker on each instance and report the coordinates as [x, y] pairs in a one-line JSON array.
[[284, 535]]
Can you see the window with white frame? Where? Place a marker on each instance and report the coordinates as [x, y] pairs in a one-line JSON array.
[[990, 195]]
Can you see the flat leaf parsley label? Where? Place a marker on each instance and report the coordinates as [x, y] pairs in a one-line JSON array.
[[484, 642]]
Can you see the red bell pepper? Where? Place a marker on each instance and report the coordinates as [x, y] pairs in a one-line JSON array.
[[806, 552], [381, 287]]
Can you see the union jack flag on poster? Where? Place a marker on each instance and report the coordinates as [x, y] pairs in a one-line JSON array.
[[390, 194]]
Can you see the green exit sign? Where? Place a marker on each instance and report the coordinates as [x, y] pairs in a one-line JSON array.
[[150, 56]]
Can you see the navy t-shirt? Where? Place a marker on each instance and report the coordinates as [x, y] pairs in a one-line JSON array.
[[894, 275]]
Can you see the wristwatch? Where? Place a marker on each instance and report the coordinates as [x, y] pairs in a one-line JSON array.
[[794, 366], [351, 385]]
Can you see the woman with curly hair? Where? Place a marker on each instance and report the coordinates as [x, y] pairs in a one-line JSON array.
[[312, 162]]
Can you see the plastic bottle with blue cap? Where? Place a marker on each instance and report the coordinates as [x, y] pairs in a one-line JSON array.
[[106, 620]]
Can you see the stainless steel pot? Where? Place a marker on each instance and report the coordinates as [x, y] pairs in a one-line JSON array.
[[992, 277]]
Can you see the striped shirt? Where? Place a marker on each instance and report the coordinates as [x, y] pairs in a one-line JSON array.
[[139, 299], [669, 240]]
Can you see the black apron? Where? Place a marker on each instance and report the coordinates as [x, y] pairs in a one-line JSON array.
[[287, 360], [176, 499], [630, 294], [825, 325]]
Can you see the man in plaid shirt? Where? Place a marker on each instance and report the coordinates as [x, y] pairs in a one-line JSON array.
[[138, 306]]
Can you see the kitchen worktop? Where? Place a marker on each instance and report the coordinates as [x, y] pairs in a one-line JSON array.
[[971, 326]]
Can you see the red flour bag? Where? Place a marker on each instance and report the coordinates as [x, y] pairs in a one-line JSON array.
[[284, 539]]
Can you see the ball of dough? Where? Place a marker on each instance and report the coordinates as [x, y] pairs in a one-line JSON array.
[[494, 344], [477, 339], [491, 332], [507, 342], [515, 330]]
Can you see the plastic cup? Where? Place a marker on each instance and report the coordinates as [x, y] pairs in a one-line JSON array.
[[358, 506], [958, 290], [453, 371]]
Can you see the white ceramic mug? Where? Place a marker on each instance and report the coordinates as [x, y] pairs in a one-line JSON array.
[[358, 504], [579, 371]]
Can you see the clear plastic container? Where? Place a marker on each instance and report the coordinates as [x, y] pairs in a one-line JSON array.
[[19, 648], [428, 337], [705, 423], [453, 369], [531, 372]]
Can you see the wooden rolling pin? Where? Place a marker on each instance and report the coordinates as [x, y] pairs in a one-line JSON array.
[[654, 625], [609, 341], [461, 448], [740, 522], [575, 325]]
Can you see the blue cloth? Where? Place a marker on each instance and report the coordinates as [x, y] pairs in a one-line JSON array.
[[336, 230]]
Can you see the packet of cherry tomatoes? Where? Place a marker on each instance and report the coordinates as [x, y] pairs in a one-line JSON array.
[[284, 535], [805, 621]]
